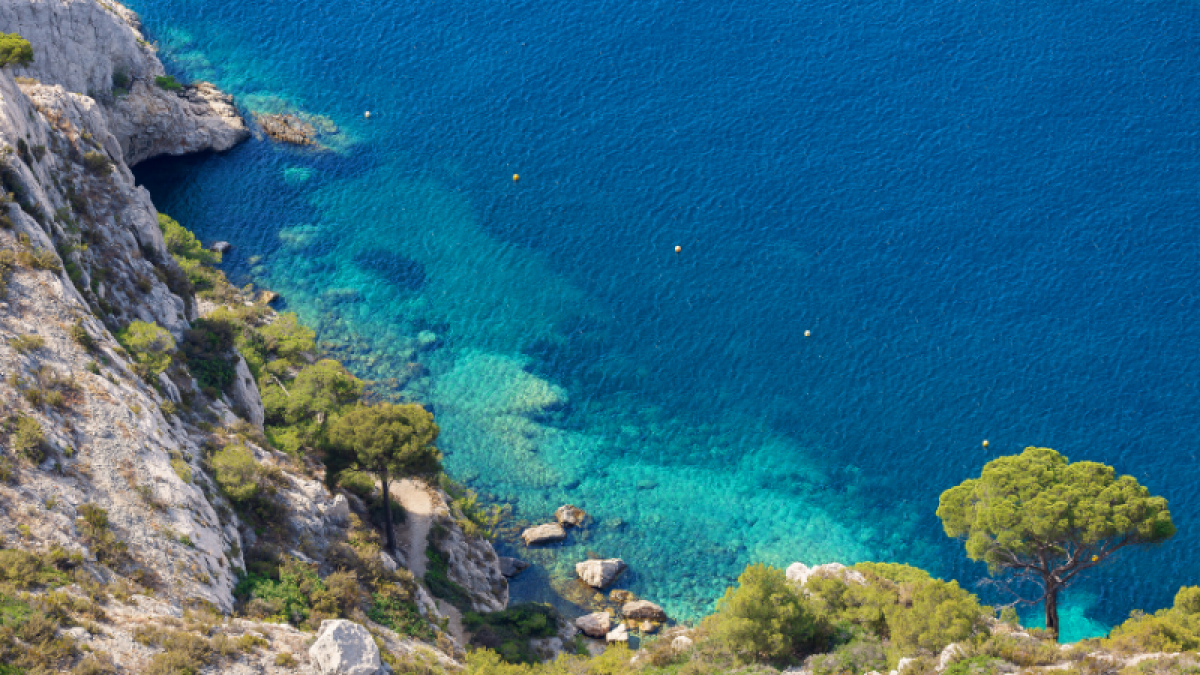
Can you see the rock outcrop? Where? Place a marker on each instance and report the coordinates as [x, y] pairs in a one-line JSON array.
[[345, 648], [543, 534], [643, 610], [569, 516], [600, 573], [595, 625], [96, 49], [511, 567]]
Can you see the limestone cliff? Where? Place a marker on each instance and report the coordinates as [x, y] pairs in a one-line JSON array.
[[95, 48]]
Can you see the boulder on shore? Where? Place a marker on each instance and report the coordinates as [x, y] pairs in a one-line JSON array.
[[511, 567], [544, 534], [345, 648], [643, 609], [600, 573], [221, 247], [569, 515], [801, 573], [618, 634], [594, 625]]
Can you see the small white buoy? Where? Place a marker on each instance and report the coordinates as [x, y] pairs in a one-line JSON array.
[[367, 114], [678, 249], [985, 444], [808, 333]]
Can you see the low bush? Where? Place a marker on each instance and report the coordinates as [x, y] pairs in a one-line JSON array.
[[100, 537], [763, 617], [81, 337], [510, 630], [28, 440], [150, 346], [168, 82], [391, 606], [208, 349], [296, 594], [97, 163], [1169, 630], [25, 344]]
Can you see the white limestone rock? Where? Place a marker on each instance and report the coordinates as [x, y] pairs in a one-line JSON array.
[[245, 394], [681, 643], [595, 625], [543, 534], [569, 515], [345, 648], [949, 655], [600, 573], [618, 634], [801, 573]]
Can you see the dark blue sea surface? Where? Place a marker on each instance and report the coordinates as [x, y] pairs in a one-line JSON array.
[[986, 213]]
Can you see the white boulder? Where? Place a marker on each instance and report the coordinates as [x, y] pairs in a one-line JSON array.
[[345, 648], [599, 573], [595, 625], [544, 534]]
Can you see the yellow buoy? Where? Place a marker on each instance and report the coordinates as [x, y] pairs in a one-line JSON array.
[[516, 176], [808, 333], [678, 249], [985, 444], [367, 114], [1095, 558]]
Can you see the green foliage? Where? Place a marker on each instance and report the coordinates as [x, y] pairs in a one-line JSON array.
[[23, 569], [150, 345], [295, 593], [98, 535], [764, 617], [510, 630], [937, 613], [1169, 630], [27, 343], [121, 82], [976, 665], [323, 388], [81, 337], [28, 440], [97, 163], [181, 243], [168, 82], [1036, 514], [287, 338], [473, 518], [182, 469], [860, 655], [437, 578], [208, 348], [15, 49], [237, 473], [392, 607]]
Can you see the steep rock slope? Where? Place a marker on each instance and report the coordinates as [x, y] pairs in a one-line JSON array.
[[95, 48]]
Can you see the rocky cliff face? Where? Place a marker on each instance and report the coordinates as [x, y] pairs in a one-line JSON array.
[[101, 465], [95, 48]]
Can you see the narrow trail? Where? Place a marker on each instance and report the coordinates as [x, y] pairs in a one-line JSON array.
[[418, 510], [413, 536]]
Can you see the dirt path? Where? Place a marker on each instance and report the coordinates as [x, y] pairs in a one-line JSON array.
[[412, 535]]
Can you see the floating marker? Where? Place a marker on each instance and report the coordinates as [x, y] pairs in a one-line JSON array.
[[678, 249], [516, 176], [808, 333], [367, 114], [985, 444]]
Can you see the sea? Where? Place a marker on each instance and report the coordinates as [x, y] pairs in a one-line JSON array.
[[747, 281]]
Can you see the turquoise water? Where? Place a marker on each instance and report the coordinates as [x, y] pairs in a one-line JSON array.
[[985, 214]]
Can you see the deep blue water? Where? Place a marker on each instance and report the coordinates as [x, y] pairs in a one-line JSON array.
[[986, 213]]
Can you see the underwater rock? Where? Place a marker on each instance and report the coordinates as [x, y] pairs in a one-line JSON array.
[[801, 573], [600, 573], [427, 339], [643, 609], [618, 634], [621, 596], [595, 625], [569, 516], [544, 534], [511, 567], [221, 247], [287, 129], [396, 269]]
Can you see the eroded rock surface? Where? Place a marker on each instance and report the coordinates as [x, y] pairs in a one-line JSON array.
[[543, 534], [600, 573]]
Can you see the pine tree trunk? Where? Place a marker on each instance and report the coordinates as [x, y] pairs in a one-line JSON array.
[[1052, 609], [387, 512]]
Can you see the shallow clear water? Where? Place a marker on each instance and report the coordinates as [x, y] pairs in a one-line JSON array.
[[985, 213]]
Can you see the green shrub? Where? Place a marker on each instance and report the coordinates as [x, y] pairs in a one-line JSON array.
[[168, 82], [150, 345], [393, 607], [294, 594], [173, 663], [857, 656], [81, 336], [208, 348], [287, 338], [97, 163], [237, 473], [437, 578], [28, 440], [763, 617], [27, 343], [182, 469], [1169, 630], [15, 49], [323, 388], [121, 82], [96, 532], [940, 613], [511, 629], [23, 570]]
